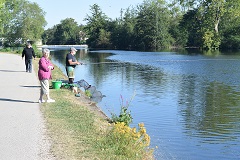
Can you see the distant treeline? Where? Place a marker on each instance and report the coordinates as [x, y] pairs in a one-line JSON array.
[[152, 25]]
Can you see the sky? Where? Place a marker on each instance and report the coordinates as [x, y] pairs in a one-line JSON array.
[[57, 10]]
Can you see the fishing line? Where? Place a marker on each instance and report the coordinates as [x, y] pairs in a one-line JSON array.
[[166, 60], [105, 63]]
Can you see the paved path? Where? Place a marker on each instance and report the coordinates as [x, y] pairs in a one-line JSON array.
[[22, 132]]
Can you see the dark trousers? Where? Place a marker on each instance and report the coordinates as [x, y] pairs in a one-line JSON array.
[[28, 63]]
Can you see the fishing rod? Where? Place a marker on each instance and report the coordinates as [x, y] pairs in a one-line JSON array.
[[104, 63]]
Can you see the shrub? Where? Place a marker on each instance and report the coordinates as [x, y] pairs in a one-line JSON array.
[[124, 116], [130, 142], [88, 93]]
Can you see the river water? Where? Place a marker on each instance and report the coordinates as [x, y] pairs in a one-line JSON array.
[[189, 103]]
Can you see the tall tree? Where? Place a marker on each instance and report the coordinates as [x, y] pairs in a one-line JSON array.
[[122, 35], [48, 36], [178, 35], [96, 25], [211, 14], [24, 21], [1, 15], [152, 27], [67, 32]]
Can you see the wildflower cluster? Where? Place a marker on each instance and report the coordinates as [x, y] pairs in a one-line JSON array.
[[130, 140], [139, 137]]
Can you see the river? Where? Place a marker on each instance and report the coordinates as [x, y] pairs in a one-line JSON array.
[[189, 102]]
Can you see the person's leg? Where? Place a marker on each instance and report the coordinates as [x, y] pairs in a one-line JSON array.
[[70, 73], [26, 64], [30, 65], [46, 84], [41, 92]]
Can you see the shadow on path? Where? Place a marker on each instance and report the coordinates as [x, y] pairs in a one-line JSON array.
[[10, 71], [31, 86], [15, 100]]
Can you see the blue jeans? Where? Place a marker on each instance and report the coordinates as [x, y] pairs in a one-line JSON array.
[[28, 63]]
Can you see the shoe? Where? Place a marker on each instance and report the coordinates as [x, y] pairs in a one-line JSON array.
[[41, 101], [50, 100], [78, 95]]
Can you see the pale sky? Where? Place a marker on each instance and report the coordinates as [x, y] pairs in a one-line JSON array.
[[57, 10]]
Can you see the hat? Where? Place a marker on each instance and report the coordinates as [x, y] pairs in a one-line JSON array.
[[73, 49]]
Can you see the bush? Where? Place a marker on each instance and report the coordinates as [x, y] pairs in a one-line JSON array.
[[6, 49], [124, 116], [129, 142]]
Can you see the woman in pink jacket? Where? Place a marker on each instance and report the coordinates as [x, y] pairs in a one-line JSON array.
[[44, 74]]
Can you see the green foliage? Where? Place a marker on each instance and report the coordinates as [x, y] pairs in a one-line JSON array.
[[208, 39], [67, 32], [1, 15], [38, 53], [153, 25], [97, 27], [231, 38], [104, 39], [127, 142], [122, 35], [88, 93], [23, 21], [210, 21], [124, 116], [6, 49]]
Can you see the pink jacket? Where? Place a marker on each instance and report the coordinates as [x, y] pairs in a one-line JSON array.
[[43, 71]]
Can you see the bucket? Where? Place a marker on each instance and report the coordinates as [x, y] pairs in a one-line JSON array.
[[56, 84]]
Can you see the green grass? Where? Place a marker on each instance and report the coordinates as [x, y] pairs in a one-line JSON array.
[[78, 130]]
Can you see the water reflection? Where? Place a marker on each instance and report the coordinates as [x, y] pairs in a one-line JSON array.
[[212, 116]]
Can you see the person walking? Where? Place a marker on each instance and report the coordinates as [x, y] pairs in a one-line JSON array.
[[28, 53], [71, 63], [44, 74]]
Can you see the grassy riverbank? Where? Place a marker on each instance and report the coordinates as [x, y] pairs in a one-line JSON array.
[[79, 130]]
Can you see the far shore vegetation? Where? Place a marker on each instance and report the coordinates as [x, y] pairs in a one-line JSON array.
[[152, 25]]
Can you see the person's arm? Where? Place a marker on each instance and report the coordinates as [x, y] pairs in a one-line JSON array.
[[73, 63], [51, 66], [33, 53], [43, 65], [23, 53]]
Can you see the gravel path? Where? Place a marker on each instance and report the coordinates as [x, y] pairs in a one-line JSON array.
[[22, 130]]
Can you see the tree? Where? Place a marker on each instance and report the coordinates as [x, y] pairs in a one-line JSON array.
[[24, 21], [1, 15], [190, 28], [67, 32], [211, 15], [178, 35], [48, 36], [96, 25], [122, 36], [152, 26]]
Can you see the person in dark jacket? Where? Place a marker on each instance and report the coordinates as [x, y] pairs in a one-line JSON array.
[[28, 53]]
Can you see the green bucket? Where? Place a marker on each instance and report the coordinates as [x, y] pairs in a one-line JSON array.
[[56, 84]]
